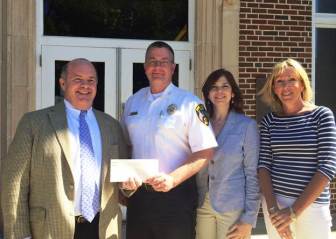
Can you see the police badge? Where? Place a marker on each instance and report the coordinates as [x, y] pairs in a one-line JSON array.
[[171, 109]]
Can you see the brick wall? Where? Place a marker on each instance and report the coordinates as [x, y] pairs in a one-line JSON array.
[[333, 197], [271, 31]]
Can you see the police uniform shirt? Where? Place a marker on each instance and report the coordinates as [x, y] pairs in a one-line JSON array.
[[168, 127]]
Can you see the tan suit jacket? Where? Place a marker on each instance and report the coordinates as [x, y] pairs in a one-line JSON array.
[[37, 185]]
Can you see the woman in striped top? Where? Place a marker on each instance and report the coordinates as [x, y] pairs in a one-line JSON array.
[[297, 157]]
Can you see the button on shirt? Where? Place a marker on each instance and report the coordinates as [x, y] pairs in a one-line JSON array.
[[166, 127], [72, 115]]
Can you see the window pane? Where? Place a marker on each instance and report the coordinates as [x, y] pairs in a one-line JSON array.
[[126, 19], [326, 6], [98, 103], [325, 68], [140, 80]]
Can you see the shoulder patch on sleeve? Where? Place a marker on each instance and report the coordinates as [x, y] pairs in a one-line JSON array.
[[202, 114]]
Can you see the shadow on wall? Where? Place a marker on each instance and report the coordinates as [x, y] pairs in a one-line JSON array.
[[261, 107]]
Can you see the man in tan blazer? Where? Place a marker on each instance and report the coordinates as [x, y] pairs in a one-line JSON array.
[[41, 175]]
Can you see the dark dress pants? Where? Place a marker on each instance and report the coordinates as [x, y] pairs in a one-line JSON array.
[[158, 215], [87, 230]]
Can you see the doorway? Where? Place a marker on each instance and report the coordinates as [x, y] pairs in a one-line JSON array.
[[120, 73]]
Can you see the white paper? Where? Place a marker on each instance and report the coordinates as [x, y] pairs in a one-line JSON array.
[[123, 169]]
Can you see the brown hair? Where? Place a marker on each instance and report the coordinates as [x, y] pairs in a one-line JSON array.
[[237, 100], [160, 44]]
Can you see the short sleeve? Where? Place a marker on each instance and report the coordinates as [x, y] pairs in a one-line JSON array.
[[326, 143], [200, 133]]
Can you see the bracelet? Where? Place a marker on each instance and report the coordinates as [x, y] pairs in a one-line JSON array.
[[292, 214]]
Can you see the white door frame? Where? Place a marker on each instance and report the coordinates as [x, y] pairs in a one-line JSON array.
[[42, 40], [319, 20]]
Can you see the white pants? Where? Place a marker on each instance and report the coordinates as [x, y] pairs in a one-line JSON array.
[[213, 225], [314, 222]]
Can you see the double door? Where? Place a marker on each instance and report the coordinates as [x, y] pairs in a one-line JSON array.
[[120, 74]]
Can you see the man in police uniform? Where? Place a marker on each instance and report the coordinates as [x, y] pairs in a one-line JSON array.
[[169, 124]]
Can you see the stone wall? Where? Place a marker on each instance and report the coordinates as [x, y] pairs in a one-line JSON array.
[[216, 39]]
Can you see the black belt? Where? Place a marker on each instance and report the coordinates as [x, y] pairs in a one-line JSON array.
[[80, 219]]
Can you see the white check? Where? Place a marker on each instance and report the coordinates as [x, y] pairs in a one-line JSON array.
[[123, 169]]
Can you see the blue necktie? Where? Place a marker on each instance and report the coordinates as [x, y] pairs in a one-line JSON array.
[[90, 193]]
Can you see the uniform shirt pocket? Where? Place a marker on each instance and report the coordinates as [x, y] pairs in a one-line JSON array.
[[168, 122], [133, 121]]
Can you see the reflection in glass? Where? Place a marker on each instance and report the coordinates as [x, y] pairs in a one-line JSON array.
[[326, 6], [98, 103], [140, 79], [127, 19], [325, 83]]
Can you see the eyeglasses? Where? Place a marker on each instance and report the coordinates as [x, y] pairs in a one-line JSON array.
[[154, 63], [216, 88], [282, 83]]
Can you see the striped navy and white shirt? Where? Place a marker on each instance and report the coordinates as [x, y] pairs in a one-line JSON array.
[[294, 148]]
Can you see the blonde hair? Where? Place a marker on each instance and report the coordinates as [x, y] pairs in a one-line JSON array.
[[267, 93]]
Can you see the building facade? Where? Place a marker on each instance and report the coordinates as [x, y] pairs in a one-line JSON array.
[[245, 36]]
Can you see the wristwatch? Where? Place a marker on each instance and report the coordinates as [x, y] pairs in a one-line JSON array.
[[273, 209], [292, 214]]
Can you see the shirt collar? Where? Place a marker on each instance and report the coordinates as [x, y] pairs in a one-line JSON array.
[[165, 92], [73, 111]]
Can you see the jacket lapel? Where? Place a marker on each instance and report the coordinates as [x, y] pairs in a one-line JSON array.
[[59, 122], [229, 126]]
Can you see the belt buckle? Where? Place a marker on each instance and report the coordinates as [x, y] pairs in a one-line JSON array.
[[80, 219]]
